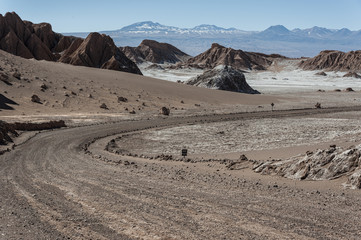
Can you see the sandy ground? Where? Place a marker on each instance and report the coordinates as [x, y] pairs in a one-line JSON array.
[[220, 139], [79, 91], [63, 184]]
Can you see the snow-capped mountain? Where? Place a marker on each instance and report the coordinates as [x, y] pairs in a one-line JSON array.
[[275, 39], [317, 32], [148, 27], [153, 28]]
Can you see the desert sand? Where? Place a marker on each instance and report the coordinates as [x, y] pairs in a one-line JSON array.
[[72, 183]]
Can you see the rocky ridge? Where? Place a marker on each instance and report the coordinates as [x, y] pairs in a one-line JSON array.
[[330, 60], [29, 40], [223, 78], [237, 59], [155, 52], [99, 51]]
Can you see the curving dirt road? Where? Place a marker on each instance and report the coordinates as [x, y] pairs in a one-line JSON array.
[[51, 189]]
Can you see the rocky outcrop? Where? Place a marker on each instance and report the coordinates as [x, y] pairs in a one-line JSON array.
[[326, 164], [165, 111], [238, 59], [29, 40], [223, 78], [155, 52], [25, 39], [352, 74], [321, 74], [334, 61], [99, 50]]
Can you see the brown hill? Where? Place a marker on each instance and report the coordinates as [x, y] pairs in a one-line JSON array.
[[20, 38], [238, 59], [155, 52], [98, 50], [334, 61], [29, 40]]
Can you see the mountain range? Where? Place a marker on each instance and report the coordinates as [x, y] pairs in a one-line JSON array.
[[275, 39]]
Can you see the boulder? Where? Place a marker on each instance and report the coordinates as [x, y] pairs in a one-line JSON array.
[[122, 99], [223, 78], [165, 111], [35, 99], [320, 74], [104, 106]]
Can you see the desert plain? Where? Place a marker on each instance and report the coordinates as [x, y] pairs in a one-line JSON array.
[[105, 142], [116, 172]]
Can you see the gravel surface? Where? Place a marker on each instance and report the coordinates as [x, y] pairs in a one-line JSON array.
[[51, 189]]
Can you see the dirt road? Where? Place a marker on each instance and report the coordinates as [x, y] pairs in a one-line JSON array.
[[51, 189]]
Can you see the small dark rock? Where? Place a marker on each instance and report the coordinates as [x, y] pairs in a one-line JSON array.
[[104, 106], [321, 74], [44, 86], [17, 75], [165, 111], [35, 99], [122, 99], [243, 157]]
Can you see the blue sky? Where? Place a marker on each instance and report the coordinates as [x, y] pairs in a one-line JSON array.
[[91, 15]]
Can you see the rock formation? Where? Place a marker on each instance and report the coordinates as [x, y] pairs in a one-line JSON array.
[[320, 165], [29, 40], [334, 61], [223, 78], [165, 111], [155, 52], [238, 59], [98, 50], [321, 74], [352, 74]]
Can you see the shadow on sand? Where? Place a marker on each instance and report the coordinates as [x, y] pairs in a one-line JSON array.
[[4, 101]]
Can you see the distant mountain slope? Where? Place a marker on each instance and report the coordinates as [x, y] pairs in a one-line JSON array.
[[152, 28], [276, 39], [334, 61], [238, 59], [155, 52], [29, 40]]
